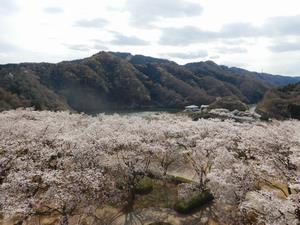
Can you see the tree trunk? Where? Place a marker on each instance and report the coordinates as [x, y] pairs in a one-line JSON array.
[[289, 190], [64, 220], [129, 207]]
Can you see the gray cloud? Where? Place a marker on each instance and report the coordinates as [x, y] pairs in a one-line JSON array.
[[6, 47], [277, 26], [78, 47], [93, 23], [285, 47], [120, 39], [187, 55], [54, 10], [237, 30], [99, 44], [237, 41], [185, 35], [98, 41], [145, 12], [100, 47], [231, 50], [282, 26], [214, 57], [8, 7]]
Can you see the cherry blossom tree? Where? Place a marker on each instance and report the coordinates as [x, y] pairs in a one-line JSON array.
[[59, 161]]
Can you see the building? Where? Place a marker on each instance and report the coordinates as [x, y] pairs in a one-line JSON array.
[[191, 108], [204, 107]]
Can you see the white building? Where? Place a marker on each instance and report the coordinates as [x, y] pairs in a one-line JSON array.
[[191, 108]]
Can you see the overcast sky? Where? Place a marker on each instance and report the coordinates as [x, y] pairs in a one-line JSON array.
[[252, 34]]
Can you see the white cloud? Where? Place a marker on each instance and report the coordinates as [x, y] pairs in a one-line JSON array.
[[92, 23], [54, 10], [231, 50], [285, 47], [8, 7], [6, 47], [186, 35], [78, 47], [187, 55], [261, 36], [278, 26], [144, 12], [213, 57], [99, 47], [120, 39]]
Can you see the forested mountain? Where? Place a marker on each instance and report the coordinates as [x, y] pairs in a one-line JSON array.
[[251, 84], [281, 102], [267, 79], [109, 80]]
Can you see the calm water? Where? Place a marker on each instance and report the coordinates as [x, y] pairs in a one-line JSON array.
[[139, 112], [252, 107]]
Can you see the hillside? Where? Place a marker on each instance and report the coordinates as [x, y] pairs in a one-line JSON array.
[[281, 102], [267, 79], [110, 80], [252, 84]]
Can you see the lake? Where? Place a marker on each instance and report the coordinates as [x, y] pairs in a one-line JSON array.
[[138, 112]]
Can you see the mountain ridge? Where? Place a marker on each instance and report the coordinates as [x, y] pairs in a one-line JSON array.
[[115, 80]]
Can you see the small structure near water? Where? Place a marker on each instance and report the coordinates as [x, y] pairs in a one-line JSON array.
[[204, 107], [195, 108], [191, 108], [225, 114], [224, 108]]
